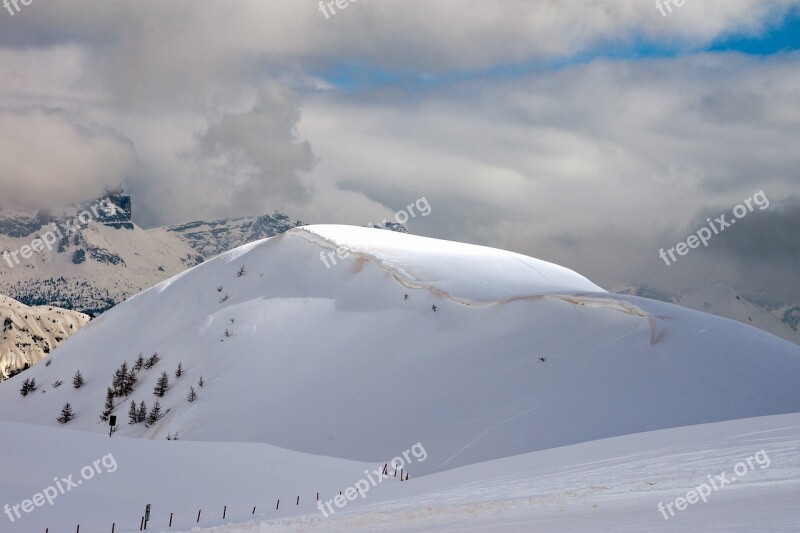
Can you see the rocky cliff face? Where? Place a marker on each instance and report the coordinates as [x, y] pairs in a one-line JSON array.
[[29, 334], [86, 257], [210, 238]]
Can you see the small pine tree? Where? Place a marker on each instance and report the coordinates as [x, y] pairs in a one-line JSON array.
[[29, 385], [192, 395], [109, 406], [151, 361], [141, 414], [155, 414], [179, 370], [77, 380], [200, 382], [129, 383], [133, 414], [66, 414], [120, 379], [162, 385], [242, 272], [139, 363]]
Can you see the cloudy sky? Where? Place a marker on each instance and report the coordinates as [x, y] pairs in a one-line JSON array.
[[588, 133]]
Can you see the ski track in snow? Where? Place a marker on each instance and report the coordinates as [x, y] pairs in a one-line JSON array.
[[486, 432]]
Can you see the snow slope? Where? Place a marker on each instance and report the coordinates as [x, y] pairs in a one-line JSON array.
[[177, 477], [607, 485], [30, 333], [610, 485], [520, 355]]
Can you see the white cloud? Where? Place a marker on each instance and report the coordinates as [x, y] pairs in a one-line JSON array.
[[46, 160]]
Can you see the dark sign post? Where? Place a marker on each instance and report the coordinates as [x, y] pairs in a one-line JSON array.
[[111, 423], [146, 516]]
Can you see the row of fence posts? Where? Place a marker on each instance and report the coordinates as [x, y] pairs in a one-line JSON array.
[[145, 519]]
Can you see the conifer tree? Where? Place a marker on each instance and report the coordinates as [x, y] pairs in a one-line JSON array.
[[192, 395], [66, 414], [155, 414], [29, 385], [109, 406], [179, 370], [129, 383], [162, 385], [119, 383], [151, 361], [139, 363], [141, 414], [77, 380], [133, 414]]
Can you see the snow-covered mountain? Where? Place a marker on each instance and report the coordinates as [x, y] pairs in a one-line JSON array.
[[93, 266], [30, 333], [723, 300], [87, 263], [356, 343], [211, 238]]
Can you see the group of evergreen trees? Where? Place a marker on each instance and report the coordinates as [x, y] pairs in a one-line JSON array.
[[122, 385], [137, 415], [124, 382]]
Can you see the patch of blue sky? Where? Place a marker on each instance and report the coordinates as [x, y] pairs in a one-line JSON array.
[[778, 38]]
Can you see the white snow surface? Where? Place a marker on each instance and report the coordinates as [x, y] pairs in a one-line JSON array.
[[464, 272], [520, 355], [606, 485]]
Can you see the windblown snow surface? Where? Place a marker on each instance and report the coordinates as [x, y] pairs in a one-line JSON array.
[[324, 341]]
